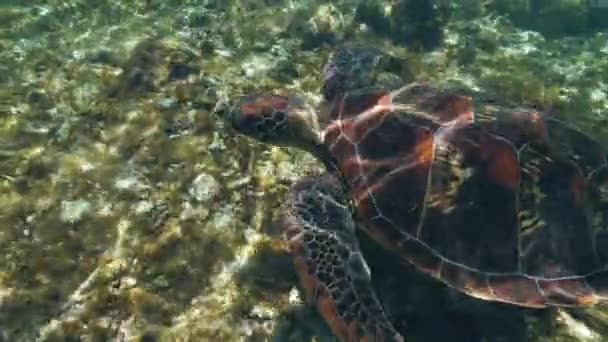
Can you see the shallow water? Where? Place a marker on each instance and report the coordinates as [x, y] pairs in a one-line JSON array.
[[130, 210]]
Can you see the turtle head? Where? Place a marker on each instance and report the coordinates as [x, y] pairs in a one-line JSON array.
[[278, 120], [358, 67]]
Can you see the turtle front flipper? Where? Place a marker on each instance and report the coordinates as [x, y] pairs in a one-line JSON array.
[[331, 268]]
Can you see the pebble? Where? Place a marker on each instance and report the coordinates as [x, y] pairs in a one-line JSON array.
[[204, 188]]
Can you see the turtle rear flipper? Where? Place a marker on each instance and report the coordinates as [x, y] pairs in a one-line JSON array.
[[328, 261]]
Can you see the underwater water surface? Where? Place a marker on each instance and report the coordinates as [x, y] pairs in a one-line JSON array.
[[130, 210]]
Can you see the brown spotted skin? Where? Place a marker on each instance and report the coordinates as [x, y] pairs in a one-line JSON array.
[[329, 264], [492, 199]]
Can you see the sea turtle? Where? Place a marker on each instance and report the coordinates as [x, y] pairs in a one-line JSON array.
[[495, 200]]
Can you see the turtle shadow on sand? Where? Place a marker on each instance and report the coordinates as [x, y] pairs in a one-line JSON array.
[[426, 310], [423, 310]]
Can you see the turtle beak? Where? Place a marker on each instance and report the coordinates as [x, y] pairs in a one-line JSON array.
[[246, 116], [236, 119], [248, 125]]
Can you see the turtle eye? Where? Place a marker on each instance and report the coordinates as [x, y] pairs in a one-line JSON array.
[[278, 116]]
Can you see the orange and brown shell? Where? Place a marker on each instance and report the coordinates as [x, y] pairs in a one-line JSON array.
[[495, 200]]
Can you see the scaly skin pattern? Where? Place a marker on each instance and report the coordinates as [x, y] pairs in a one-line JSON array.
[[332, 271]]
